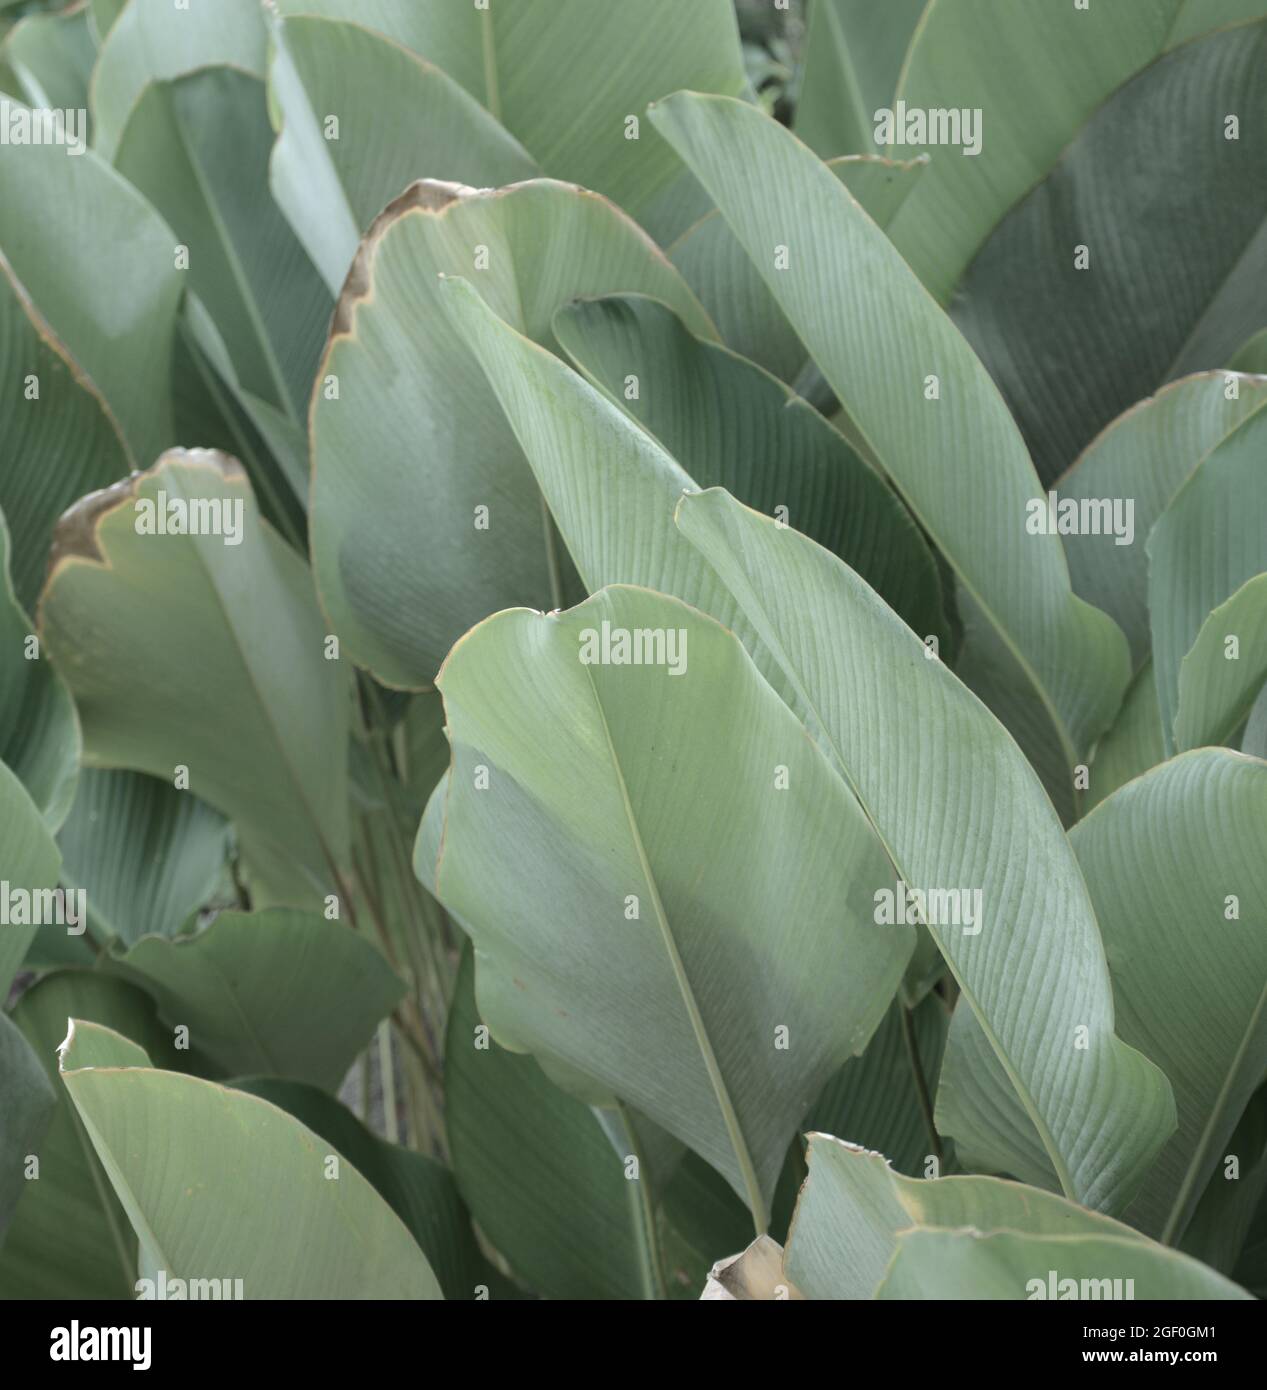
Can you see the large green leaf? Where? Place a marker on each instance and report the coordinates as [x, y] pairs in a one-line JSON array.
[[854, 51], [28, 1100], [69, 1237], [147, 855], [958, 461], [425, 517], [65, 436], [420, 1190], [1210, 541], [538, 1172], [1036, 72], [168, 641], [362, 118], [730, 287], [1072, 345], [114, 311], [854, 1207], [565, 76], [936, 1264], [957, 807], [156, 41], [283, 993], [198, 148], [227, 1186], [1162, 858], [732, 425], [712, 988], [39, 731], [29, 873], [1219, 682], [1143, 459]]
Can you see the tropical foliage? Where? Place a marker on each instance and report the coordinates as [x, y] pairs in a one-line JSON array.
[[633, 643]]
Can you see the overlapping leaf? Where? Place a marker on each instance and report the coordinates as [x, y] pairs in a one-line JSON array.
[[958, 808], [425, 517], [618, 934], [880, 342]]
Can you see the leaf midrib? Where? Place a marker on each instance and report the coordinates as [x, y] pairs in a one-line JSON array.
[[729, 1116]]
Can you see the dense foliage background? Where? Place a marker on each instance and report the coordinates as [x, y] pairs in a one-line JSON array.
[[633, 633]]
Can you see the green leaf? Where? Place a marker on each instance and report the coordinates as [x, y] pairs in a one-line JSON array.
[[155, 41], [1038, 73], [39, 731], [112, 312], [398, 119], [168, 641], [1072, 346], [1218, 684], [538, 1172], [147, 855], [854, 51], [717, 268], [66, 436], [52, 56], [28, 1100], [1221, 1224], [1133, 744], [283, 993], [236, 1188], [29, 873], [580, 828], [933, 1264], [403, 480], [537, 68], [955, 813], [1144, 458], [420, 1190], [69, 1237], [738, 427], [1210, 541], [1162, 857], [198, 148], [854, 1208], [958, 461]]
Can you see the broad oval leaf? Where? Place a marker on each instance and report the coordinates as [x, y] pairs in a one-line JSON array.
[[595, 893]]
